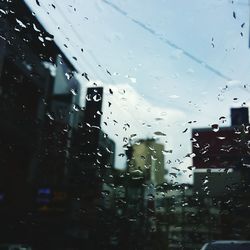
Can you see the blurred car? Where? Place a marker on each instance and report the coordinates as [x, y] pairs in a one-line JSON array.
[[227, 245]]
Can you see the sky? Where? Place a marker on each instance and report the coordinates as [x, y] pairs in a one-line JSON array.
[[172, 65]]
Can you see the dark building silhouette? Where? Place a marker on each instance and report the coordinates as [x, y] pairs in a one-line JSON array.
[[53, 154], [33, 135], [239, 116]]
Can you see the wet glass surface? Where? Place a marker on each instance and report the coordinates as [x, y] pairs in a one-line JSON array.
[[124, 124]]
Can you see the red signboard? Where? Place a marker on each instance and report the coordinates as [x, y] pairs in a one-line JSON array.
[[226, 148]]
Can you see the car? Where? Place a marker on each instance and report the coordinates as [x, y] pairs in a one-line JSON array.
[[227, 245]]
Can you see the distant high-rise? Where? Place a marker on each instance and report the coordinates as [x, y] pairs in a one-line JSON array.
[[147, 157]]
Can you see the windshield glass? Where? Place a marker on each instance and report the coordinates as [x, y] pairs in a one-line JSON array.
[[124, 124]]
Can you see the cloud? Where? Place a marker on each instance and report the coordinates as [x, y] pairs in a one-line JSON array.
[[127, 114]]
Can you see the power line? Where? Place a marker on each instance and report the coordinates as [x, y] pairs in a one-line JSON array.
[[80, 62], [131, 115], [167, 41]]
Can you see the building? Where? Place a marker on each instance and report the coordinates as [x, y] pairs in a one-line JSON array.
[[223, 147], [145, 170], [147, 156], [37, 87], [48, 143], [221, 174]]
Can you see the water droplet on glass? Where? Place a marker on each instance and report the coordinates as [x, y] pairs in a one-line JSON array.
[[68, 75], [20, 23], [75, 108], [205, 181], [41, 39], [97, 98], [191, 155], [2, 11], [153, 158], [50, 116], [215, 127], [73, 91], [159, 133]]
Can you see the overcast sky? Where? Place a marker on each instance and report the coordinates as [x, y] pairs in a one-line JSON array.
[[170, 62]]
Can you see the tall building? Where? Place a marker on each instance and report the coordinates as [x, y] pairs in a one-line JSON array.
[[37, 96], [222, 173], [147, 156]]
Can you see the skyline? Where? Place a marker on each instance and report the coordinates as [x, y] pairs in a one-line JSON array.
[[153, 74]]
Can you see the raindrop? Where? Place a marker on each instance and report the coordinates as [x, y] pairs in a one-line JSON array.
[[21, 23], [73, 91], [88, 125], [191, 155], [205, 181], [2, 11], [86, 76], [185, 130], [97, 98], [88, 97], [49, 38], [68, 75], [165, 152], [159, 133], [98, 127], [50, 116], [99, 154], [215, 127], [246, 165], [237, 132], [75, 108], [132, 219], [108, 72], [221, 137], [133, 135], [108, 150], [137, 174], [35, 28], [223, 119], [41, 39], [173, 174]]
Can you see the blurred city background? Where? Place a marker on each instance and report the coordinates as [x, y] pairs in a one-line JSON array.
[[66, 183]]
